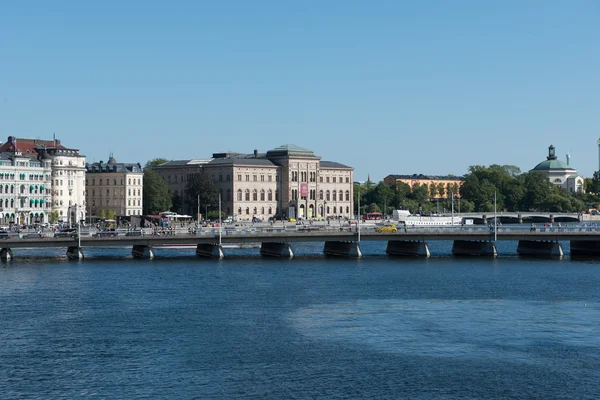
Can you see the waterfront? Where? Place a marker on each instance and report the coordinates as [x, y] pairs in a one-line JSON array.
[[310, 327]]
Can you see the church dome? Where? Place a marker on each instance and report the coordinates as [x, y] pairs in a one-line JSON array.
[[552, 163], [111, 160]]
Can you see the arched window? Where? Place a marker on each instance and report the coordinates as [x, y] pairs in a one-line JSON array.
[[327, 197], [262, 210], [239, 197], [254, 195], [341, 194], [247, 196], [240, 210], [347, 210], [347, 195], [262, 195], [247, 210], [254, 211], [334, 196], [320, 195], [270, 211], [100, 182], [270, 195]]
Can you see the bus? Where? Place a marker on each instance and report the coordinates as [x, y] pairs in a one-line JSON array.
[[372, 215]]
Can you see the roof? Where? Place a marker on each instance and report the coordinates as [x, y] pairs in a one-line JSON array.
[[183, 163], [290, 150], [241, 161], [100, 167], [552, 165], [333, 164], [28, 146]]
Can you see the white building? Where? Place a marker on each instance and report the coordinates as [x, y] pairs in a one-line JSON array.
[[66, 180], [559, 173]]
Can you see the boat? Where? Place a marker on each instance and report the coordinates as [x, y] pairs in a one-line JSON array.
[[223, 246], [404, 217]]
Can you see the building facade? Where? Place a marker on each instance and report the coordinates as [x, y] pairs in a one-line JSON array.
[[58, 169], [439, 187], [285, 182], [114, 186], [559, 173]]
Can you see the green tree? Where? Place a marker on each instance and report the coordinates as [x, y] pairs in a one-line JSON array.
[[538, 189], [594, 184], [200, 186], [433, 190], [110, 214], [154, 163], [419, 193], [156, 193], [53, 217], [102, 215]]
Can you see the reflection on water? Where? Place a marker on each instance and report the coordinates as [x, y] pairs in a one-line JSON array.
[[502, 329]]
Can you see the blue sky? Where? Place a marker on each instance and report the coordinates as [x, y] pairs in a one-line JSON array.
[[388, 87]]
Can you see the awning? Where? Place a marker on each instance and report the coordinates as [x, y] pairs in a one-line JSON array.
[[41, 201], [31, 187], [41, 187], [37, 201]]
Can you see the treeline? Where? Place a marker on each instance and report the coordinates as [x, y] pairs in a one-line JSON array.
[[514, 191]]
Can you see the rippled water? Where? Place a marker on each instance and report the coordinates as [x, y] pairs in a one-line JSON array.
[[311, 327]]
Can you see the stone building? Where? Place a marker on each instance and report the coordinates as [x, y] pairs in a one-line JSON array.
[[55, 174], [285, 182], [114, 186], [559, 173]]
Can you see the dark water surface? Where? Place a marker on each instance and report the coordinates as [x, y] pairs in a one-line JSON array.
[[246, 327]]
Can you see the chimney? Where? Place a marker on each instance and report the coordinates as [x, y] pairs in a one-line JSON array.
[[255, 153]]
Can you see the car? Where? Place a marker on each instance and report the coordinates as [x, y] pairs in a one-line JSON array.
[[67, 232], [4, 234], [387, 228], [292, 220], [108, 232]]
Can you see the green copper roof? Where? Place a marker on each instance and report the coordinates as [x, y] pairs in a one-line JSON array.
[[290, 150], [551, 164]]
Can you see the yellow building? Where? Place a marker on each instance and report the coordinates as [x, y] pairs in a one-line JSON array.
[[439, 187]]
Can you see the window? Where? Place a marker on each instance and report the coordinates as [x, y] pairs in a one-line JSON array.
[[247, 195], [254, 195], [347, 179], [220, 177], [320, 195], [247, 178], [270, 178], [327, 195], [334, 179], [262, 178], [239, 179], [347, 195], [270, 195], [334, 196], [228, 194], [327, 179], [341, 194], [239, 195], [255, 178], [262, 195]]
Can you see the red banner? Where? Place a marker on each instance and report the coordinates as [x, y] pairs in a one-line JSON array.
[[304, 190]]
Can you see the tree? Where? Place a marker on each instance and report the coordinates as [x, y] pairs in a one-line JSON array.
[[110, 214], [155, 162], [156, 193], [594, 184], [200, 186], [102, 215], [54, 216]]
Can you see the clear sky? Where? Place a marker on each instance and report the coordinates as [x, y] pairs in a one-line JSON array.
[[388, 87]]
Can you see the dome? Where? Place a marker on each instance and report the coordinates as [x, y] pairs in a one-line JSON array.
[[111, 160], [552, 163]]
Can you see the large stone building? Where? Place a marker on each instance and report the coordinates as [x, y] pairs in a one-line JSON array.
[[445, 186], [287, 181], [559, 173], [42, 177], [114, 186]]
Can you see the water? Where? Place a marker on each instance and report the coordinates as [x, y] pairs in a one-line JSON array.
[[311, 327]]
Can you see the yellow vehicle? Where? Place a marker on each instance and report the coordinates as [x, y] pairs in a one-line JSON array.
[[292, 220], [387, 228]]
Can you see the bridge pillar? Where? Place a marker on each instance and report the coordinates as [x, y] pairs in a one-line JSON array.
[[6, 254], [520, 218], [344, 249], [484, 219], [142, 251], [539, 248], [276, 250], [585, 248], [75, 253], [474, 248], [551, 218], [407, 248], [209, 250]]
